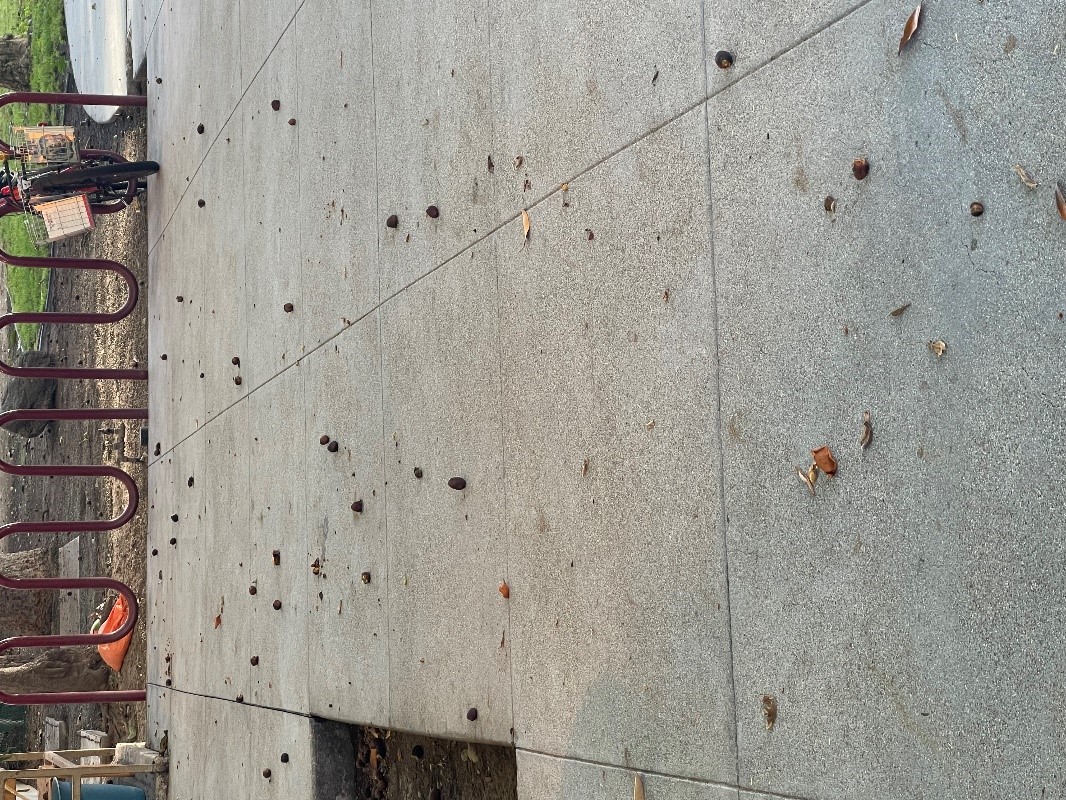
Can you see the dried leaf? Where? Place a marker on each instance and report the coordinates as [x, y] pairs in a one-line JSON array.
[[867, 431], [565, 187], [505, 590], [585, 468], [911, 27], [638, 787], [519, 161], [830, 203], [808, 478], [525, 224], [649, 425], [898, 312], [218, 621], [823, 459], [769, 711], [1060, 199], [1024, 176], [938, 347]]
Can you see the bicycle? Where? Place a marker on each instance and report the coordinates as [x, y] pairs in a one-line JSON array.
[[61, 188]]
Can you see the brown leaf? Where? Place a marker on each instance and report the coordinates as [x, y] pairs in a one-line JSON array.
[[519, 161], [830, 203], [1024, 176], [638, 787], [911, 27], [823, 459], [769, 711], [867, 431], [525, 224], [218, 621], [808, 478], [505, 590], [585, 468], [938, 347], [898, 312], [1060, 199]]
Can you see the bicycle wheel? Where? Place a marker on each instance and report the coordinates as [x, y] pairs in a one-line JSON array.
[[100, 175]]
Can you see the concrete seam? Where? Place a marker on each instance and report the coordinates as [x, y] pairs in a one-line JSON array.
[[669, 776], [228, 700], [723, 517], [503, 449], [381, 380], [222, 127], [512, 218]]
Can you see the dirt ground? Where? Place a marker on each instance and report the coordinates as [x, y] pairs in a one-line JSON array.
[[121, 554]]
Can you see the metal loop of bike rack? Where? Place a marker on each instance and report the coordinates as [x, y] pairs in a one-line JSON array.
[[72, 526], [77, 471]]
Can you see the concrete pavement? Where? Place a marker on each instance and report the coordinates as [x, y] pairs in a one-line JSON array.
[[625, 393]]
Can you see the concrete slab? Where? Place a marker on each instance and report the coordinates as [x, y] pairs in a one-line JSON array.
[[882, 613], [220, 79], [272, 234], [278, 636], [348, 624], [160, 336], [159, 601], [186, 310], [612, 469], [448, 637], [563, 94], [221, 231], [173, 109], [225, 653], [543, 777], [754, 34], [434, 132], [261, 32], [96, 37], [339, 219]]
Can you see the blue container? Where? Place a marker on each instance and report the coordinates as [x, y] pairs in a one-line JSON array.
[[96, 791]]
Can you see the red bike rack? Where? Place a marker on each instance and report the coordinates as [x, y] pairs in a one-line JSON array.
[[78, 471]]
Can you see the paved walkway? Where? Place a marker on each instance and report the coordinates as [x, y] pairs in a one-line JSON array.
[[623, 391]]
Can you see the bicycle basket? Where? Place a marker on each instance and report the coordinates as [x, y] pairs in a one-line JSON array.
[[47, 144], [59, 219]]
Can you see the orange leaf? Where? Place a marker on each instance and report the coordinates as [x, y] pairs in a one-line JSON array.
[[525, 224], [911, 27], [638, 787], [218, 621], [823, 457], [1060, 199], [505, 590]]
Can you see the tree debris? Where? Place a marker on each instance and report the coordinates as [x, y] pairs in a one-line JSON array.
[[1024, 176], [910, 28], [867, 431]]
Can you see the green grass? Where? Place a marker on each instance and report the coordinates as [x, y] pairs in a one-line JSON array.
[[28, 287]]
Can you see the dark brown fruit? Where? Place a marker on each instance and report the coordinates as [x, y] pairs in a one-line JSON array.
[[237, 380], [365, 577], [471, 714], [173, 517], [201, 203], [275, 104], [277, 605], [977, 209], [255, 661], [357, 506], [860, 168], [292, 120], [333, 447], [724, 59], [323, 439], [252, 590], [432, 212], [200, 128], [235, 361], [392, 222], [418, 472], [457, 483], [288, 307]]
